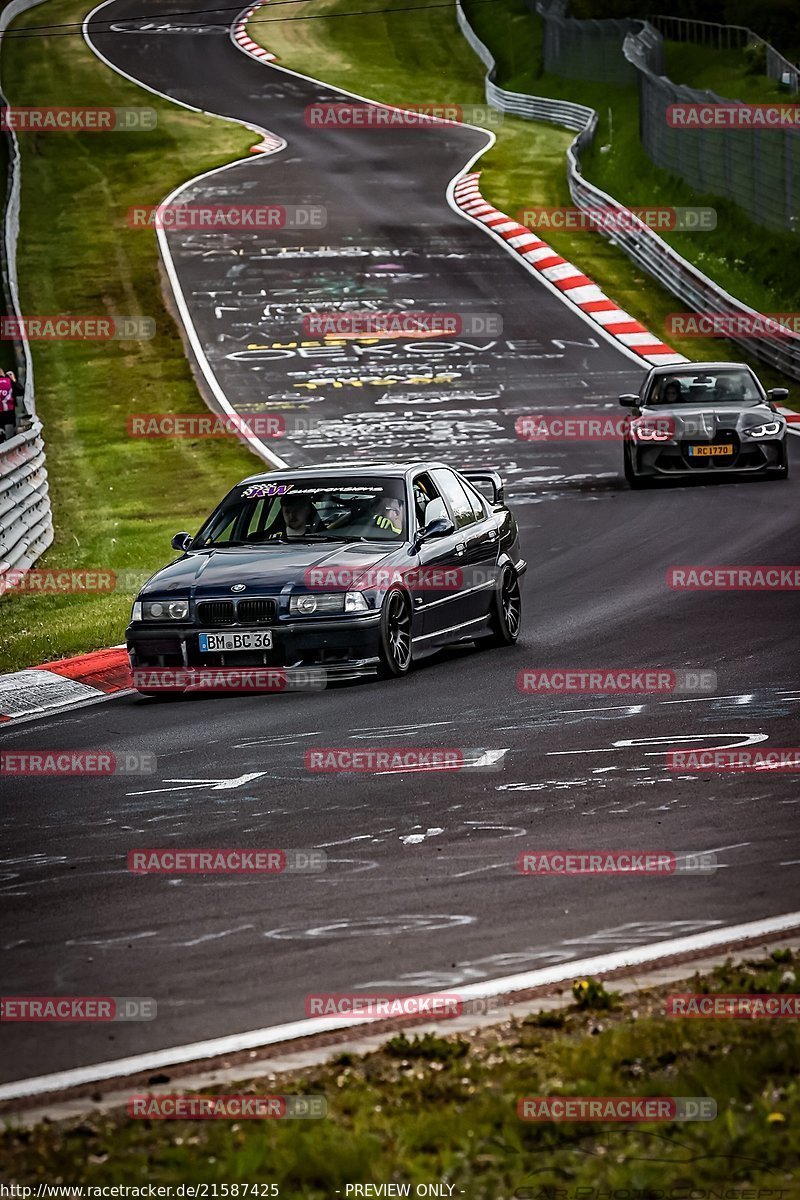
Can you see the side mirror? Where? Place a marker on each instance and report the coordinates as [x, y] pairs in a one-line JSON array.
[[438, 528], [778, 393], [629, 400], [181, 541]]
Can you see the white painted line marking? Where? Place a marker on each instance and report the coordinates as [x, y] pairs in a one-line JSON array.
[[258, 1038]]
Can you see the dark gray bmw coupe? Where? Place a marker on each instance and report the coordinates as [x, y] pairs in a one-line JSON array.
[[701, 419]]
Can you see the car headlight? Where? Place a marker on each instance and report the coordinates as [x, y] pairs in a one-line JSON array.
[[312, 604], [769, 429], [136, 611], [163, 610], [659, 430]]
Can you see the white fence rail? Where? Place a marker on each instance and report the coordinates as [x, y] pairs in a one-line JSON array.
[[642, 244], [26, 522]]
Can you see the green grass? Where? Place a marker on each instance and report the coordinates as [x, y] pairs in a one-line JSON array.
[[721, 71], [423, 1110], [416, 57], [116, 500]]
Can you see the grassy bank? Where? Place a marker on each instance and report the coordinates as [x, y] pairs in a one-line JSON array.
[[413, 57], [116, 500], [432, 1109], [725, 72], [753, 264]]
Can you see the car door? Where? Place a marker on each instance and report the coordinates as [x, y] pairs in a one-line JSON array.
[[476, 547], [438, 591]]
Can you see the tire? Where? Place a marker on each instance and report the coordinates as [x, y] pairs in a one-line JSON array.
[[395, 636], [635, 482], [506, 612]]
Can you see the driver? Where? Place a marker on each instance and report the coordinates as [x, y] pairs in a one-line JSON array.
[[388, 514], [728, 388], [299, 516], [672, 392]]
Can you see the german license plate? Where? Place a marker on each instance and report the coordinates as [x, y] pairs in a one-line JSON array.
[[258, 639], [709, 451]]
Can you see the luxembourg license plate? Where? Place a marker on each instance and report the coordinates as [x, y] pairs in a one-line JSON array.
[[258, 639], [708, 451]]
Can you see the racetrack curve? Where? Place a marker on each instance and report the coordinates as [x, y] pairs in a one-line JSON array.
[[421, 890]]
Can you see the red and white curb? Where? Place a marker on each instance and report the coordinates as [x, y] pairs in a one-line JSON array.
[[792, 419], [243, 40], [67, 683], [575, 287]]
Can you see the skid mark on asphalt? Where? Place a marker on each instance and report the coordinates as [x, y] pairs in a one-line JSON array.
[[372, 927], [622, 937]]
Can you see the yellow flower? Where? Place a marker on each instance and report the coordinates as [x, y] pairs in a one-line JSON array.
[[774, 1117]]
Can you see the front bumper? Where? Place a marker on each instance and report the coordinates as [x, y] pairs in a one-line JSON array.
[[673, 458], [341, 646]]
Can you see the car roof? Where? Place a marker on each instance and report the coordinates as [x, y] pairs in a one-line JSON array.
[[347, 469], [696, 368]]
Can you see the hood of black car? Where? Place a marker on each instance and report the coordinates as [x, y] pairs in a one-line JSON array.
[[267, 568]]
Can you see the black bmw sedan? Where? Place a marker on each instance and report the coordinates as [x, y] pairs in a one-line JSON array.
[[352, 568]]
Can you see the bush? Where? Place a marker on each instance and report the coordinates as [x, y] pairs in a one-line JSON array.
[[591, 993], [755, 57]]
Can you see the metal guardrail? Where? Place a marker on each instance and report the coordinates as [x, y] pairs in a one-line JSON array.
[[26, 521], [642, 244], [728, 37]]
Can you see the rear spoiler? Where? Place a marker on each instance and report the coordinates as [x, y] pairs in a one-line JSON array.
[[490, 477]]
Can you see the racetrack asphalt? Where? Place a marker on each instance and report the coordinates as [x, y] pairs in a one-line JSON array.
[[421, 889]]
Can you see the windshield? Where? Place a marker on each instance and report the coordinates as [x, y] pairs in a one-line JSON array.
[[308, 510], [720, 387]]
